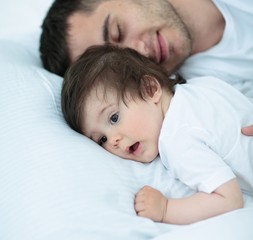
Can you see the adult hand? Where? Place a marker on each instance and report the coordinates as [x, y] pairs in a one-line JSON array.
[[248, 131], [150, 203]]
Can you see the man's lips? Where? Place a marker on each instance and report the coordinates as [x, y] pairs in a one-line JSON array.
[[162, 49]]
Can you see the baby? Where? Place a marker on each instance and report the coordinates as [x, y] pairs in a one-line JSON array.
[[128, 105]]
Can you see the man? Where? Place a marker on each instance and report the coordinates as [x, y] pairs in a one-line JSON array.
[[198, 37]]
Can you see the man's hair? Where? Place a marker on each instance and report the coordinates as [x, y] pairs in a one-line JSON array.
[[54, 51], [123, 70]]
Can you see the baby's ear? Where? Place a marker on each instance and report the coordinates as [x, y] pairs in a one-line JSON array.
[[152, 88]]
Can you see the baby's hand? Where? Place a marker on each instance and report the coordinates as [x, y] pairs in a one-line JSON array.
[[150, 203]]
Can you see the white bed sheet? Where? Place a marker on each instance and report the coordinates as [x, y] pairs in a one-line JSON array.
[[56, 184]]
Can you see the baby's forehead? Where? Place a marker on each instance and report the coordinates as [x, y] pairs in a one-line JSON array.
[[100, 95]]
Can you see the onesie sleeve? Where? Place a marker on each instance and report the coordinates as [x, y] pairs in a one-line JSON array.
[[192, 157]]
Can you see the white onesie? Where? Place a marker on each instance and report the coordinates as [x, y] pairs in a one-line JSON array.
[[201, 142]]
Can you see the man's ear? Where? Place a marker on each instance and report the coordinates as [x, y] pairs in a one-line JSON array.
[[152, 88]]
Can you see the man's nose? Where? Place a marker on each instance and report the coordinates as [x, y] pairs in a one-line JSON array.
[[139, 46]]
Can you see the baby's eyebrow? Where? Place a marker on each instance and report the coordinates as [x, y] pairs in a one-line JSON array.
[[105, 29], [105, 108]]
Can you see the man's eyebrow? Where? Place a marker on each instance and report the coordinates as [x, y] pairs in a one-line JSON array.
[[105, 29]]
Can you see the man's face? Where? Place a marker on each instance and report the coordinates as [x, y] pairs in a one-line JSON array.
[[153, 29]]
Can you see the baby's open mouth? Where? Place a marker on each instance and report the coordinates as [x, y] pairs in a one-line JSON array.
[[134, 147]]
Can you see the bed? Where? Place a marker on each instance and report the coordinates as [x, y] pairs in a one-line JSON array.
[[54, 183]]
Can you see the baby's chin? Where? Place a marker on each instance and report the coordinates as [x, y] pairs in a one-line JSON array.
[[147, 159]]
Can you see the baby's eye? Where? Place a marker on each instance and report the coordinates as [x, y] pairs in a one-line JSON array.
[[114, 118], [102, 140]]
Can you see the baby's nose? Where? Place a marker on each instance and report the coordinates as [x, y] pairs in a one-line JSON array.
[[114, 141]]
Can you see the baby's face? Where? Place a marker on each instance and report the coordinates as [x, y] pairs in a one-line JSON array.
[[130, 132]]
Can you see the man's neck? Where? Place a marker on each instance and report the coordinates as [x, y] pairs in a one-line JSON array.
[[204, 21]]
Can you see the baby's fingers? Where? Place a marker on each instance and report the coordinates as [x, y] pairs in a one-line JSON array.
[[139, 206]]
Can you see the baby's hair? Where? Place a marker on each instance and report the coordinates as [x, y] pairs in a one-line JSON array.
[[120, 69]]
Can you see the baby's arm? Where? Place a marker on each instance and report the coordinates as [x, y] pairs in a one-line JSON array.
[[152, 204], [248, 131]]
